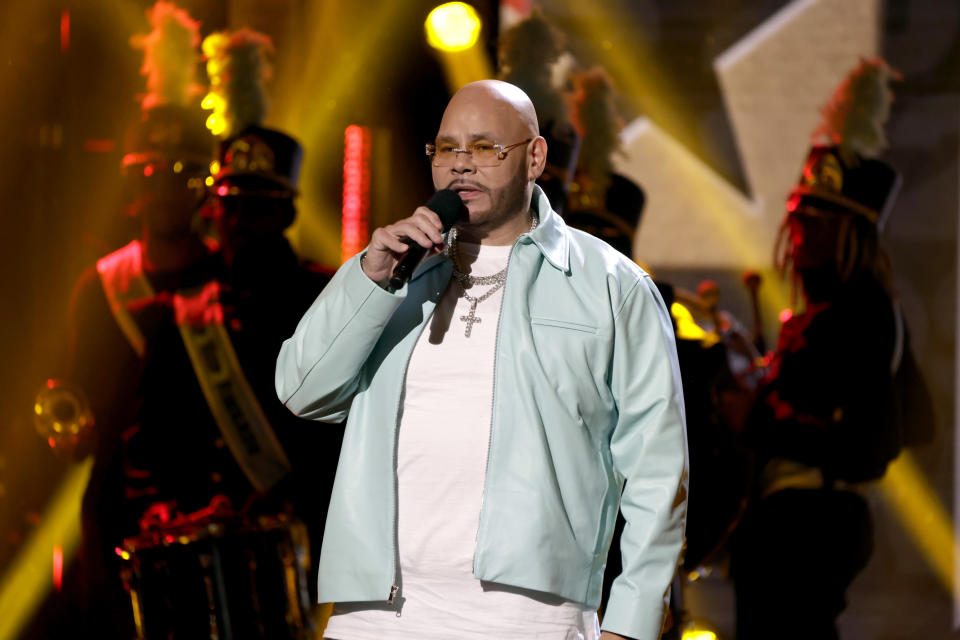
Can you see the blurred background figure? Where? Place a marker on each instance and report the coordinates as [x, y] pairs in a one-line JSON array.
[[826, 419], [532, 55], [121, 323], [744, 357], [194, 514], [265, 288]]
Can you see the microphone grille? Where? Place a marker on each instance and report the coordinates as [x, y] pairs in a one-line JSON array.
[[448, 205]]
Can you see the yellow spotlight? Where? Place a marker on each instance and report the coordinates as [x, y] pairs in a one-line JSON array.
[[694, 630], [687, 327], [454, 26], [216, 121], [216, 124]]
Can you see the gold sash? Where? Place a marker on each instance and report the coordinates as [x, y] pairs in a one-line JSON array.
[[199, 317]]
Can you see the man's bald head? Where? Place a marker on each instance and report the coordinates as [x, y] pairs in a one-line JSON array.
[[502, 98]]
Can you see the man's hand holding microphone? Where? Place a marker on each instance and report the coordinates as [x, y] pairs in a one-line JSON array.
[[396, 249]]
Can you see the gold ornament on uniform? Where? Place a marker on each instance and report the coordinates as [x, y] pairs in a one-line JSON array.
[[166, 134], [826, 173], [62, 414], [244, 156]]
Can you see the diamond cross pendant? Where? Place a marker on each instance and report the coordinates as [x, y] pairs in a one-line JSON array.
[[471, 318]]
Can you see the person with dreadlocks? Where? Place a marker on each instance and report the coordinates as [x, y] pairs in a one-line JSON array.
[[825, 421]]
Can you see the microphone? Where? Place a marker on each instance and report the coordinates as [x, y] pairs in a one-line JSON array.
[[446, 204]]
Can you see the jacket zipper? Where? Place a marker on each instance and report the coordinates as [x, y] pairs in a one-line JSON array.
[[396, 463], [493, 396]]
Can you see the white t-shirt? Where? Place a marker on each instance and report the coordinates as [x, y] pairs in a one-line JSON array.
[[442, 457]]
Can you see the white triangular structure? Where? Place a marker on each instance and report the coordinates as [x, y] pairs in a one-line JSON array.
[[774, 81]]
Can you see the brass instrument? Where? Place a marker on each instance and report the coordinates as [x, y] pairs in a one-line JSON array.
[[62, 415]]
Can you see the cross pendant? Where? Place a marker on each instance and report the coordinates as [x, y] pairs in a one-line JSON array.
[[471, 319]]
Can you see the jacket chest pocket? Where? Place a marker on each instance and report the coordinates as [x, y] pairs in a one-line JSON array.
[[571, 356], [568, 369], [540, 321]]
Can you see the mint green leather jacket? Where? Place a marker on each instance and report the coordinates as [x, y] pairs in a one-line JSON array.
[[587, 416]]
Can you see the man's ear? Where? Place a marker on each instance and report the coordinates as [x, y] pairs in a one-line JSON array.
[[537, 159]]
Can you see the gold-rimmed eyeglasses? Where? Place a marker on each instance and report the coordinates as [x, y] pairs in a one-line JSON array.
[[483, 153]]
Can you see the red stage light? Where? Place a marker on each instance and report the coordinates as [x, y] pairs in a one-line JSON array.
[[99, 146], [355, 223], [148, 170], [64, 30], [57, 567]]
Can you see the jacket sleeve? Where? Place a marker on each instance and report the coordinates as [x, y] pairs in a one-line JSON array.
[[320, 366], [649, 451]]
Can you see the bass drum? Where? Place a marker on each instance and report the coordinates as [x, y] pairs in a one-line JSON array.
[[223, 579]]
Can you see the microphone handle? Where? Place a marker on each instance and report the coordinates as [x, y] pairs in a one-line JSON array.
[[404, 268]]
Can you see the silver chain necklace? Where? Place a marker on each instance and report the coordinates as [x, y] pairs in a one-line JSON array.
[[467, 281]]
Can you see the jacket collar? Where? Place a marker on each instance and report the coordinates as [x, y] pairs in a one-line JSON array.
[[550, 236]]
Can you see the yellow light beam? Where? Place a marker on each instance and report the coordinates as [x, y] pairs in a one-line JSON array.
[[337, 62], [620, 46], [30, 576], [920, 512], [463, 67], [453, 29]]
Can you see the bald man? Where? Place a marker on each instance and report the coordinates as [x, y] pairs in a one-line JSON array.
[[500, 407]]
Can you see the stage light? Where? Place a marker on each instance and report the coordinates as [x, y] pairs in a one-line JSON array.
[[64, 30], [687, 327], [454, 26], [696, 630], [453, 30], [216, 121], [58, 568], [355, 223]]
